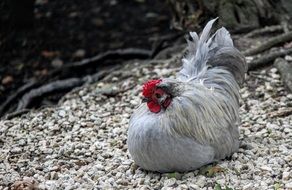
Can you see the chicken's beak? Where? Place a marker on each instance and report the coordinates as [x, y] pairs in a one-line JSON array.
[[144, 100]]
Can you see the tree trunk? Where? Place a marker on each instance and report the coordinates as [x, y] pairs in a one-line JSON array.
[[236, 15]]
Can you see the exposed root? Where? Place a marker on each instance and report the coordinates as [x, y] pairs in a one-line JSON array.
[[286, 37], [16, 113], [265, 60], [12, 98], [32, 90], [285, 70], [59, 85], [265, 30]]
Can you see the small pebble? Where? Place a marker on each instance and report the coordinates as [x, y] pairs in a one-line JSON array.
[[81, 142]]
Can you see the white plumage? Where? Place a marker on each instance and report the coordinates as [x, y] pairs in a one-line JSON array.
[[200, 124]]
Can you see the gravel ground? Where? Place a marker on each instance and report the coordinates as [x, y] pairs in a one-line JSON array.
[[81, 143]]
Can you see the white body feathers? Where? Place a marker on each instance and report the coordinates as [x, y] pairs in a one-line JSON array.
[[200, 125]]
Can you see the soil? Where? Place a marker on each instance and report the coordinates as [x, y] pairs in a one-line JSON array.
[[71, 30]]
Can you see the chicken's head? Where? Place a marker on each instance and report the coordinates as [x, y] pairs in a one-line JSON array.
[[157, 98]]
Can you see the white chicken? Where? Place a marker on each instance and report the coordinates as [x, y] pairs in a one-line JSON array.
[[191, 121]]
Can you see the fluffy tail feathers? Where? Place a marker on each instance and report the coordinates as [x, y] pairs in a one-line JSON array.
[[214, 51]]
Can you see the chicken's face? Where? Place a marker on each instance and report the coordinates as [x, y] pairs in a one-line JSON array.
[[157, 97]]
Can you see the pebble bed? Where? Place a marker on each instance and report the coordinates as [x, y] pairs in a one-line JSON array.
[[81, 143]]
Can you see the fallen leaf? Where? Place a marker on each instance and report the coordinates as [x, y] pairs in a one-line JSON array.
[[25, 184], [175, 175], [7, 80], [210, 171], [50, 54]]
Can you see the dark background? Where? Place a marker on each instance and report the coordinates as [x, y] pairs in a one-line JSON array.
[[38, 37], [70, 30]]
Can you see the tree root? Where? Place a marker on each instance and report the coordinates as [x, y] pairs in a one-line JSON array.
[[59, 85], [264, 60], [268, 44], [33, 90], [161, 43], [12, 98], [265, 30], [15, 114], [285, 69]]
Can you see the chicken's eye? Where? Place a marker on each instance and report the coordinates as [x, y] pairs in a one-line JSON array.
[[157, 95]]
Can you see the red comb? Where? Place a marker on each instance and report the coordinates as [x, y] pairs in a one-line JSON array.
[[149, 86]]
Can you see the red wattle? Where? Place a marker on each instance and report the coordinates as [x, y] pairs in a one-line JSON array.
[[154, 107]]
